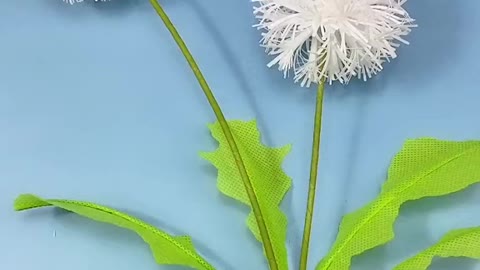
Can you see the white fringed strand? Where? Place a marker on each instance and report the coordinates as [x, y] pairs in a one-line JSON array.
[[331, 39], [71, 2]]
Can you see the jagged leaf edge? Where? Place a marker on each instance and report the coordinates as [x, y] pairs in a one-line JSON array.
[[218, 136], [386, 195], [426, 256], [29, 201]]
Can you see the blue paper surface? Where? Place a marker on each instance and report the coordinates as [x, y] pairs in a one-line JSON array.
[[97, 104]]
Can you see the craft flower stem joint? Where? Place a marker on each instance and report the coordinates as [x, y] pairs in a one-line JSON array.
[[329, 40]]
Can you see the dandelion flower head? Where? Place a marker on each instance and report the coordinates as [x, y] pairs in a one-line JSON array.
[[332, 40]]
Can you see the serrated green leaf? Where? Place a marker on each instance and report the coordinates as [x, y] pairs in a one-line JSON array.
[[457, 243], [423, 168], [263, 165], [166, 249]]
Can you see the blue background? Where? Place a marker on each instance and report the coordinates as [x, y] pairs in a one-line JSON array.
[[97, 104]]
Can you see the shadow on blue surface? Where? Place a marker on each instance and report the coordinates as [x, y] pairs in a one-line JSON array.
[[106, 232], [413, 231], [433, 45], [453, 263], [202, 248]]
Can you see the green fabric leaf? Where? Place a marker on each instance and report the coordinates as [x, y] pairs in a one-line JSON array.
[[423, 168], [166, 249], [263, 165], [457, 243]]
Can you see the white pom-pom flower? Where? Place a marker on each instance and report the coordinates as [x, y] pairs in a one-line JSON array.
[[71, 2], [332, 40]]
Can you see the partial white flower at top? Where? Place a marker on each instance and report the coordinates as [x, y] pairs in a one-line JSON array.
[[332, 40], [71, 2]]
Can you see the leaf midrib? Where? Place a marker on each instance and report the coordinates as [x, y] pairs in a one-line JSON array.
[[141, 224], [392, 198]]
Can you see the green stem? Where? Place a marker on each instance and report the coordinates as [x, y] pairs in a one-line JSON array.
[[267, 243], [313, 176]]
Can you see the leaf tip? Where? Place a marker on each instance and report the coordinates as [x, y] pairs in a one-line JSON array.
[[28, 201], [287, 148], [212, 125]]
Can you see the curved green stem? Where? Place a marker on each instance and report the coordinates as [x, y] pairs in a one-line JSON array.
[[313, 176], [267, 243]]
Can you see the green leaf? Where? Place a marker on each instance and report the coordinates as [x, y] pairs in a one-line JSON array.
[[270, 183], [457, 243], [423, 168], [166, 249]]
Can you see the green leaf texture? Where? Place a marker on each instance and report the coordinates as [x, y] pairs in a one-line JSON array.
[[423, 168], [457, 243], [270, 183], [166, 249]]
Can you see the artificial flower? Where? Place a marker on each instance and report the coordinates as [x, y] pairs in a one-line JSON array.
[[332, 40]]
